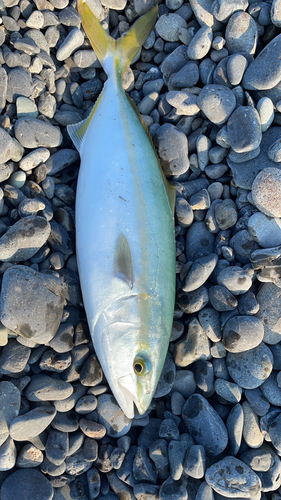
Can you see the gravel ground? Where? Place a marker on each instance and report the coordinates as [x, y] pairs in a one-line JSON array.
[[208, 84]]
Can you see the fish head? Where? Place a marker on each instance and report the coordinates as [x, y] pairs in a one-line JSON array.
[[131, 343]]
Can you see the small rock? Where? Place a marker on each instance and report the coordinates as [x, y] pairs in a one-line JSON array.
[[200, 43], [199, 272], [168, 26], [74, 39], [17, 486], [195, 461], [241, 34], [235, 279], [265, 109], [251, 137], [217, 102], [266, 231], [45, 388], [31, 424], [251, 431], [32, 133], [172, 149], [249, 369], [110, 415]]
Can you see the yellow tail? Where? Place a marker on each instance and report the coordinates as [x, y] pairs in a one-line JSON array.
[[125, 48]]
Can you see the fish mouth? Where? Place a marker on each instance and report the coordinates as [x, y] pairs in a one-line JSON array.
[[127, 386]]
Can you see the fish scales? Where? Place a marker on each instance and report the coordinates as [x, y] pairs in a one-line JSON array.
[[125, 244]]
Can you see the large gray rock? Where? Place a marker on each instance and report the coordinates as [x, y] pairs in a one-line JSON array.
[[31, 303], [32, 133], [172, 149], [24, 239], [257, 75]]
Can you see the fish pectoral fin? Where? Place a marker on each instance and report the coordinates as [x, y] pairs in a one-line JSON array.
[[123, 263]]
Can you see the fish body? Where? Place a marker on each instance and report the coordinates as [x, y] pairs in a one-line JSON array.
[[125, 244]]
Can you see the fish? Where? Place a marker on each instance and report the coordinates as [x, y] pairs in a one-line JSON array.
[[125, 238]]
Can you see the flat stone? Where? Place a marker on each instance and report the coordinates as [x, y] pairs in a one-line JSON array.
[[29, 456], [112, 417], [199, 241], [217, 102], [266, 191], [242, 333], [249, 369], [222, 10], [19, 84], [235, 279], [14, 357], [265, 109], [204, 425], [31, 424], [32, 133], [20, 485], [31, 303], [266, 231], [241, 34], [203, 12], [34, 158], [45, 388], [10, 406], [233, 478], [244, 129], [245, 173], [271, 390], [236, 66], [193, 347], [24, 238], [200, 43], [184, 102], [199, 272], [74, 39], [257, 76], [275, 13]]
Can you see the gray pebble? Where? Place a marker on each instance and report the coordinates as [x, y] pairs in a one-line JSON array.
[[14, 357], [265, 191], [191, 302], [222, 299], [275, 13], [10, 404], [235, 279], [204, 376], [7, 147], [45, 388], [29, 456], [246, 368], [18, 485], [234, 425], [257, 75], [228, 390], [243, 246], [19, 84], [110, 415], [205, 425], [74, 39], [34, 158], [271, 390], [238, 478], [184, 383], [200, 200], [266, 231], [184, 212], [195, 462], [265, 109], [22, 287], [148, 103], [168, 26], [266, 464], [178, 489], [217, 103], [176, 455], [56, 446], [199, 272], [199, 242], [54, 362], [209, 319], [32, 133], [226, 214], [236, 66], [172, 149], [193, 347], [31, 424], [203, 12], [241, 34], [244, 129], [200, 43], [187, 76], [24, 238], [269, 298], [223, 10], [167, 378]]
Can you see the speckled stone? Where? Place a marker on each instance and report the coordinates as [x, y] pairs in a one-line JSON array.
[[249, 369], [112, 417], [241, 34], [200, 43], [244, 129], [217, 103], [239, 481], [168, 26], [20, 485], [257, 76], [266, 192]]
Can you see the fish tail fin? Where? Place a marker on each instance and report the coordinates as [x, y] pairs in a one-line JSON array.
[[129, 44], [123, 50]]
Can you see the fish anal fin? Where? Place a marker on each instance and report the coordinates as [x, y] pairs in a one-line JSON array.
[[123, 263], [170, 189]]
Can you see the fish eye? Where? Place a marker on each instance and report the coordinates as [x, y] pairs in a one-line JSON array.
[[142, 366]]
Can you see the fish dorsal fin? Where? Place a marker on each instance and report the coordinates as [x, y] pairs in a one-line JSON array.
[[123, 263], [170, 189], [77, 131]]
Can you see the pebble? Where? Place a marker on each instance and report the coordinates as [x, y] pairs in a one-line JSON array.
[[187, 76], [14, 357], [17, 486], [23, 286], [265, 192], [241, 34], [110, 415], [257, 76], [235, 279], [228, 390], [7, 146], [184, 102], [266, 231], [195, 461], [204, 425], [200, 43], [29, 456], [191, 302], [226, 214], [222, 299], [203, 12], [234, 477], [32, 423], [234, 425], [271, 390], [193, 347], [45, 388], [268, 299], [168, 26], [199, 272], [275, 13], [251, 431], [209, 319], [199, 242], [167, 378], [24, 238], [19, 84], [242, 333], [265, 109], [217, 103], [236, 66], [74, 39], [250, 368], [246, 119], [32, 133], [172, 148]]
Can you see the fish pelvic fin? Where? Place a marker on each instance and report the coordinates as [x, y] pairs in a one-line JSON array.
[[122, 51]]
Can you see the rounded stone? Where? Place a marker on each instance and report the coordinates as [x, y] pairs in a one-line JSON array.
[[266, 231], [32, 133], [244, 129], [242, 333], [265, 109], [250, 369], [241, 34], [168, 26], [205, 425], [233, 478], [172, 149], [257, 76], [235, 279], [200, 43], [199, 241], [236, 66], [22, 484], [266, 191], [31, 424], [24, 238], [217, 102], [199, 272], [112, 417]]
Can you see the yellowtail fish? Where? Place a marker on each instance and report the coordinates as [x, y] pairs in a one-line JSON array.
[[124, 228]]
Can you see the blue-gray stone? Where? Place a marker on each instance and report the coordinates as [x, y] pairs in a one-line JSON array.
[[251, 368]]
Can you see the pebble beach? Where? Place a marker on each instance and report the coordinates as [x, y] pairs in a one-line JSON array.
[[207, 84]]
